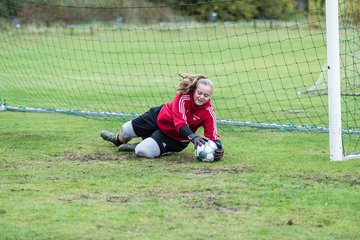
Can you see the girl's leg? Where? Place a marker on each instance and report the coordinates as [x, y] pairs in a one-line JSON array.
[[147, 148], [158, 144], [125, 135], [126, 132], [143, 126]]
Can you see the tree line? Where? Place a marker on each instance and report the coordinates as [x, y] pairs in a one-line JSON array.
[[200, 10]]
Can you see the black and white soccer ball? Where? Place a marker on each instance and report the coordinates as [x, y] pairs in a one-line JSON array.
[[205, 152]]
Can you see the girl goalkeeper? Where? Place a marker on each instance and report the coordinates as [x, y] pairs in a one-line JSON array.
[[170, 127]]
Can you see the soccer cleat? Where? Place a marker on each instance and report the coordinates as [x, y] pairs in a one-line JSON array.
[[128, 147], [108, 136]]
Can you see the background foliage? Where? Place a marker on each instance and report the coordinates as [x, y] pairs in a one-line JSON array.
[[199, 9], [226, 10]]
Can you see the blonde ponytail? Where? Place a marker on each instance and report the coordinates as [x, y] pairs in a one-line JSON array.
[[188, 83]]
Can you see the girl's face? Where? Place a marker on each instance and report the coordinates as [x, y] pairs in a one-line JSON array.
[[202, 94]]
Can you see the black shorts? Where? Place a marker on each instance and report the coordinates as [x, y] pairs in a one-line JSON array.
[[146, 126]]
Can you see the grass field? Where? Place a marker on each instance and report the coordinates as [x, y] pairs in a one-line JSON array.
[[60, 180]]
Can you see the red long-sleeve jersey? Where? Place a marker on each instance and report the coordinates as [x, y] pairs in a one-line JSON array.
[[183, 111]]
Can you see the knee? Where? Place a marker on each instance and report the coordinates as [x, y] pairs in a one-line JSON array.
[[148, 148], [127, 132]]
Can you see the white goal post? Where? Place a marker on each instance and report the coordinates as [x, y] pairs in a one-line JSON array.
[[334, 84], [334, 95]]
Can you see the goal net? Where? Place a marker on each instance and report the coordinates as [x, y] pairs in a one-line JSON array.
[[115, 59]]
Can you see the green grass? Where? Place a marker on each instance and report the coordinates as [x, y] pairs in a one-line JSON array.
[[60, 180]]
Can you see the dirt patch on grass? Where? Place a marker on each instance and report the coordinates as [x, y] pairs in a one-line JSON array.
[[178, 159], [72, 198], [205, 200], [117, 199], [210, 201], [212, 170], [327, 178], [9, 166], [169, 159], [93, 196], [98, 156], [352, 180]]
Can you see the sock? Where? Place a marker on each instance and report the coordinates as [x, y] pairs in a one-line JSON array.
[[117, 141]]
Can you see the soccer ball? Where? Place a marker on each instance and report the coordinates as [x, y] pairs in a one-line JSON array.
[[205, 152]]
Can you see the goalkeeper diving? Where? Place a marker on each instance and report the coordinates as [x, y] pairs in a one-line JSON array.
[[171, 127]]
